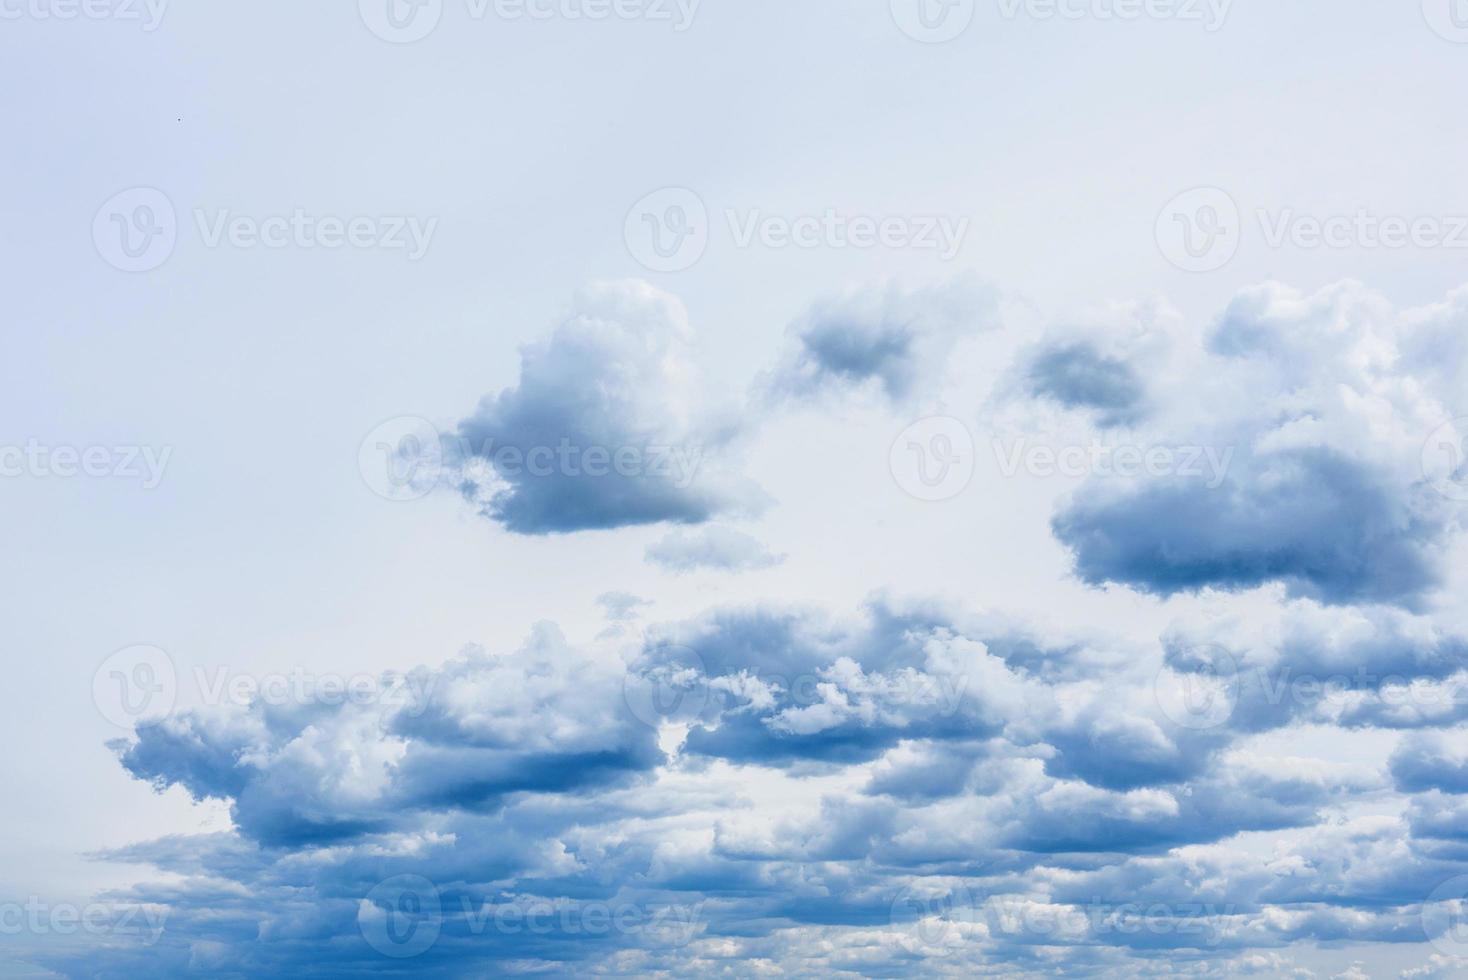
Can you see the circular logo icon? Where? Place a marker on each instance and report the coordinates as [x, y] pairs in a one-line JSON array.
[[933, 459], [933, 21], [934, 922], [1447, 18], [401, 21], [1445, 917], [1445, 459], [1198, 690], [668, 230], [668, 686], [1199, 230], [401, 917], [402, 459], [136, 230], [135, 687]]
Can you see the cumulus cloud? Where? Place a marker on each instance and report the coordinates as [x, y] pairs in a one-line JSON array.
[[890, 340], [610, 425], [1325, 494], [913, 787], [716, 548]]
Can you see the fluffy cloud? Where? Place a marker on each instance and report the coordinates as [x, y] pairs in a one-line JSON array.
[[889, 340], [914, 787], [1326, 493], [610, 425]]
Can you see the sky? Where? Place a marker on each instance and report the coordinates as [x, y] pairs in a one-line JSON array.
[[656, 487]]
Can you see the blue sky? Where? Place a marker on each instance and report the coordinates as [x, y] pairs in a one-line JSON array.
[[877, 489]]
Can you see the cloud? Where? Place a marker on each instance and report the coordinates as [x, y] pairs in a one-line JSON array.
[[1077, 375], [1429, 761], [715, 548], [1325, 493], [609, 425], [889, 340]]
